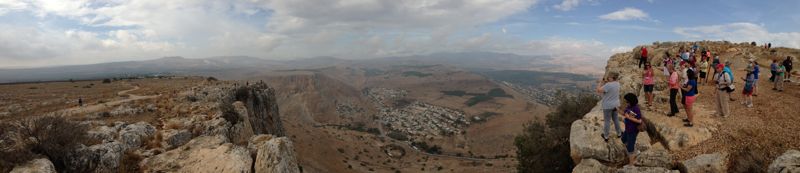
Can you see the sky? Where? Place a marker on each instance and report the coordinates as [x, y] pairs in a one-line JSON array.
[[35, 33]]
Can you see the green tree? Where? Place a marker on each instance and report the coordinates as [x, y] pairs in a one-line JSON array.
[[545, 148]]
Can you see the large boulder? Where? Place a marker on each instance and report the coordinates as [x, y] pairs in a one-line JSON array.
[[134, 135], [35, 166], [103, 133], [789, 162], [202, 154], [675, 135], [655, 158], [106, 155], [591, 166], [241, 131], [585, 140], [174, 138], [705, 163], [275, 155], [636, 169]]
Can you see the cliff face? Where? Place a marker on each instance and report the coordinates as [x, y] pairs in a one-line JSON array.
[[668, 145], [212, 127]]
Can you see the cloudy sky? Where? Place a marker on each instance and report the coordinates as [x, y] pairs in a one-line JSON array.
[[59, 32]]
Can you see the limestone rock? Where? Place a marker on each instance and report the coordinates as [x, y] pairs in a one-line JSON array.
[[134, 135], [585, 140], [174, 138], [276, 155], [590, 166], [257, 142], [103, 133], [675, 135], [202, 154], [655, 158], [705, 163], [241, 131], [107, 155], [35, 166], [636, 169], [789, 162]]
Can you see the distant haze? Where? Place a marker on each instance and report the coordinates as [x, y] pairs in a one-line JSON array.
[[241, 67], [44, 33]]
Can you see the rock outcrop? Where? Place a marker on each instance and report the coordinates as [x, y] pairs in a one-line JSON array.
[[705, 163], [275, 155], [636, 169], [202, 154], [262, 109], [35, 166], [669, 133], [789, 162], [591, 166], [175, 138]]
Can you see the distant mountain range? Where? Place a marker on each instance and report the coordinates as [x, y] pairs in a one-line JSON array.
[[238, 67]]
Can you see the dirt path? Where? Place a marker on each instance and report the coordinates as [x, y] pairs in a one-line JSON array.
[[101, 106]]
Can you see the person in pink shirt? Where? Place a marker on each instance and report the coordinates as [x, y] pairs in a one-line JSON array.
[[648, 80], [674, 86]]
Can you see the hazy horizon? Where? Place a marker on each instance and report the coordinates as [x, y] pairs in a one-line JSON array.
[[49, 33]]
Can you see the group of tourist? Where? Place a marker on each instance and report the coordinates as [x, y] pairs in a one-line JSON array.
[[684, 74]]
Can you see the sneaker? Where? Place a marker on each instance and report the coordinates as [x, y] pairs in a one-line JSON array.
[[604, 137], [749, 105]]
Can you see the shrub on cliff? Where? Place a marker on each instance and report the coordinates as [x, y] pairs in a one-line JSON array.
[[53, 137], [545, 147]]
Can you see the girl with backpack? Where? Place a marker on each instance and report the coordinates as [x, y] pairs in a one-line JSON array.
[[634, 123]]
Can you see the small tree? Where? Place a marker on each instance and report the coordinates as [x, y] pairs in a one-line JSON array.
[[545, 147]]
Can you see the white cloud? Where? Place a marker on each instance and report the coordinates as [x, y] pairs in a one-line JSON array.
[[567, 5], [100, 31], [628, 13], [741, 32], [8, 6]]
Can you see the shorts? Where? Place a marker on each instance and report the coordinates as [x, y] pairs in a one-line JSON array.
[[648, 88], [702, 74], [690, 101], [747, 92], [629, 138]]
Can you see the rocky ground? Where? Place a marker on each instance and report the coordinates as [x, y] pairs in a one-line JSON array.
[[204, 126], [748, 141]]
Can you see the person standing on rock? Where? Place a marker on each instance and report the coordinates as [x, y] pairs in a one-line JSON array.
[[779, 74], [633, 117], [773, 70], [609, 89], [727, 69], [690, 94], [756, 73], [673, 91], [788, 65], [749, 86], [643, 57], [723, 86], [703, 71], [648, 80], [714, 64]]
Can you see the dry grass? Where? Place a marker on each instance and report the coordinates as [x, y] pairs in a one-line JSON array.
[[130, 162]]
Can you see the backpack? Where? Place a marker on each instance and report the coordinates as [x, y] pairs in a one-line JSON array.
[[642, 127]]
